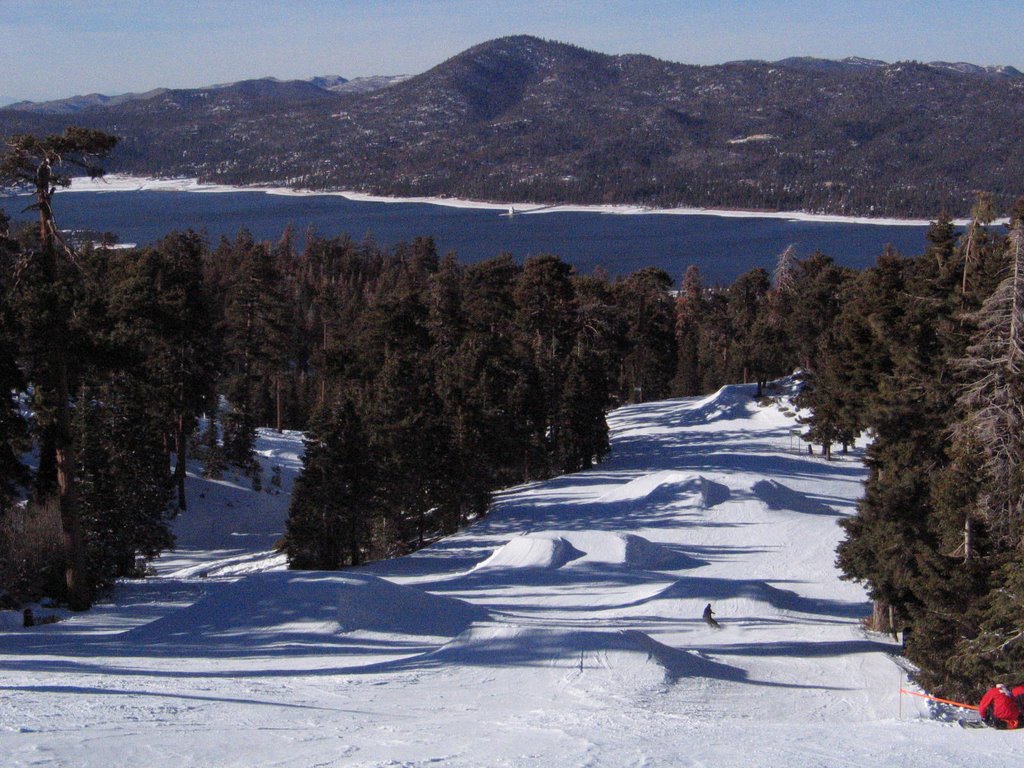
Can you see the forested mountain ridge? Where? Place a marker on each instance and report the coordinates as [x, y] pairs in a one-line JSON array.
[[524, 119]]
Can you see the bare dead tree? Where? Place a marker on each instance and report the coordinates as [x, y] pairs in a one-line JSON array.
[[982, 213], [783, 277]]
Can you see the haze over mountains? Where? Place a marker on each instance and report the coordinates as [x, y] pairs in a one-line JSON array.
[[520, 119]]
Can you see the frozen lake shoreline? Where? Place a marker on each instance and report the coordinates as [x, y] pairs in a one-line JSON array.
[[125, 183], [617, 240]]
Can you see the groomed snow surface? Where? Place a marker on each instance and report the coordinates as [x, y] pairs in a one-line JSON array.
[[564, 629]]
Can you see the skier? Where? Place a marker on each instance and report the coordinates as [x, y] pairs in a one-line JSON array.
[[709, 617], [999, 709]]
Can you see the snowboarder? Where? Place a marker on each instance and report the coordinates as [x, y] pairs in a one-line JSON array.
[[999, 709], [709, 617]]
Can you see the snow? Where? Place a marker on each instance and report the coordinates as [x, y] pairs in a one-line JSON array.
[[562, 629], [126, 183], [754, 137]]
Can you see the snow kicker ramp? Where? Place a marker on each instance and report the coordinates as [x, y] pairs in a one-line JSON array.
[[576, 549], [282, 609]]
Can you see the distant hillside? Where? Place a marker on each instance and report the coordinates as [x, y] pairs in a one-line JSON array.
[[525, 119], [75, 104]]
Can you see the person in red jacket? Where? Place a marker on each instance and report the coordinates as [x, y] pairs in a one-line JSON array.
[[999, 709], [1018, 694]]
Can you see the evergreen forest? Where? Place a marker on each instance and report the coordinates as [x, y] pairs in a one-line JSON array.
[[424, 384]]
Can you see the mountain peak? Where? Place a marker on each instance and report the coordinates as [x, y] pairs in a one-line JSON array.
[[997, 71], [527, 49]]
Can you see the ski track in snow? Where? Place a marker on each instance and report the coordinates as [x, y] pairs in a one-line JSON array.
[[564, 628]]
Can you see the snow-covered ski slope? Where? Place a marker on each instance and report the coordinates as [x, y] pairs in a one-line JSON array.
[[563, 629]]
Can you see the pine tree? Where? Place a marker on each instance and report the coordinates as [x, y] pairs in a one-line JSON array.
[[909, 541], [815, 300], [715, 341], [648, 364], [882, 539], [494, 370], [581, 425], [334, 500], [410, 442], [545, 324], [751, 352], [43, 165], [256, 323], [162, 311], [124, 479], [13, 428], [689, 313], [468, 385]]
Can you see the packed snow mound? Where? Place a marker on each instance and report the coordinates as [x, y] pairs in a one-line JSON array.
[[378, 605], [731, 402], [534, 550], [558, 549], [628, 550], [779, 497], [282, 608], [669, 487], [631, 656], [644, 554]]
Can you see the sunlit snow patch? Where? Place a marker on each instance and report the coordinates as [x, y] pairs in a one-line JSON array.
[[534, 550]]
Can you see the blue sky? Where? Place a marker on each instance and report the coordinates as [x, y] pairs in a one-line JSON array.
[[115, 46]]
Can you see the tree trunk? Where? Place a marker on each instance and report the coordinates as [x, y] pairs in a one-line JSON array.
[[277, 405], [323, 369], [883, 617], [181, 449], [79, 597]]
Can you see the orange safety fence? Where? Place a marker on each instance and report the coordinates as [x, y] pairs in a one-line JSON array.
[[936, 698]]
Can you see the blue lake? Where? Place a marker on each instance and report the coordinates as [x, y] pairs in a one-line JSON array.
[[722, 247]]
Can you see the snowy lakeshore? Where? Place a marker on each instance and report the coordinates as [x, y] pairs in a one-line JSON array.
[[126, 183], [565, 628]]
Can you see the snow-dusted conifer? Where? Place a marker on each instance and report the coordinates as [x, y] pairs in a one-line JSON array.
[[991, 399]]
